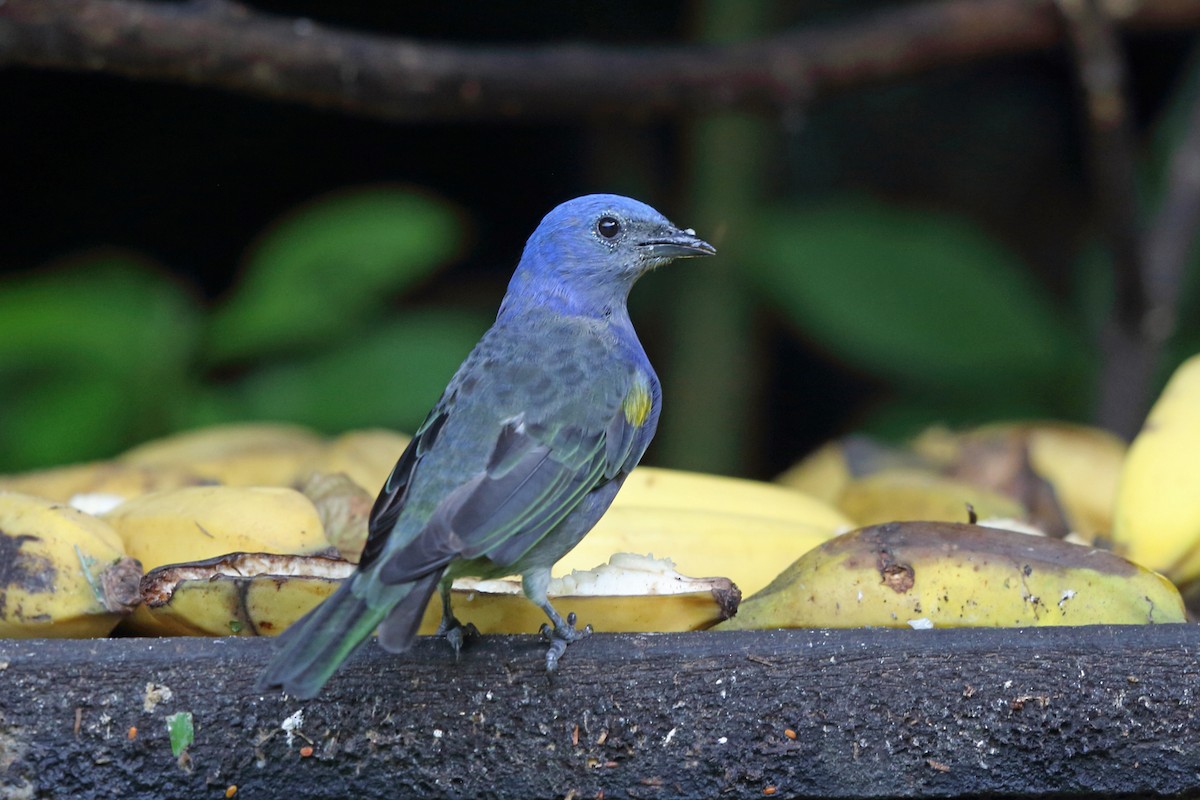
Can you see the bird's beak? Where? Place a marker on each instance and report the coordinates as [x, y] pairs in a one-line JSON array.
[[677, 244]]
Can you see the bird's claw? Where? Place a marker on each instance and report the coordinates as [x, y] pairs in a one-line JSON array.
[[456, 634], [560, 636]]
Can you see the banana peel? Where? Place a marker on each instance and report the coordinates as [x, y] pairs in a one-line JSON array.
[[258, 594], [708, 525], [364, 456], [931, 574], [345, 511], [631, 593], [239, 594], [199, 522], [62, 572]]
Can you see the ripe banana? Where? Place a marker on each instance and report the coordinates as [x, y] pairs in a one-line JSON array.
[[1062, 476], [254, 594], [62, 572], [927, 574], [1157, 517], [822, 474], [1081, 463], [248, 454], [916, 494], [98, 477], [708, 525], [365, 456], [827, 471], [200, 522]]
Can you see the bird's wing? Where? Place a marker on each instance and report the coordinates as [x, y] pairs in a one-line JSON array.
[[536, 475], [390, 501]]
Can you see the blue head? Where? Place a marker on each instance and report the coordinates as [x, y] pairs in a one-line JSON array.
[[587, 253]]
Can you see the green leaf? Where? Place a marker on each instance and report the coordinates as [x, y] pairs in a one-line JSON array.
[[59, 418], [923, 299], [109, 311], [341, 258], [181, 731], [389, 376], [1093, 288], [94, 355]]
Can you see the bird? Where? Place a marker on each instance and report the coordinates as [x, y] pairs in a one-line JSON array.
[[522, 454]]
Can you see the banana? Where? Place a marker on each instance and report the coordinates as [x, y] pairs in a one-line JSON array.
[[365, 456], [822, 474], [246, 454], [927, 574], [62, 572], [254, 594], [630, 593], [202, 522], [1080, 463], [1063, 476], [344, 508], [1157, 516], [708, 525], [98, 477], [827, 471], [917, 494], [244, 594]]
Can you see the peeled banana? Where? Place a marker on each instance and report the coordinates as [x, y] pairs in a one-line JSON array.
[[62, 572], [255, 594], [242, 594], [923, 574], [708, 525], [1157, 518], [199, 522]]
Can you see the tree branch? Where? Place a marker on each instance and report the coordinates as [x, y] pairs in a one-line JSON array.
[[222, 45], [1171, 235], [1100, 65]]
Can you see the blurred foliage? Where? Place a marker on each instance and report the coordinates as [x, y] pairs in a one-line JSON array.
[[946, 316], [953, 323], [924, 305], [107, 350]]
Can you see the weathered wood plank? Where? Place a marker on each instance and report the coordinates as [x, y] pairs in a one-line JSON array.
[[874, 713]]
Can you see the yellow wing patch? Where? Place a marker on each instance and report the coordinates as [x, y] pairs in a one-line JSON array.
[[637, 402]]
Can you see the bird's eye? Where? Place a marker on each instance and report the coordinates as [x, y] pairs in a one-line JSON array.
[[608, 227]]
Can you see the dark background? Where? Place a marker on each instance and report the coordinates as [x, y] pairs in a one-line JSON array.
[[189, 177]]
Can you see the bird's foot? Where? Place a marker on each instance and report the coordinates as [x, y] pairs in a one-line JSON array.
[[559, 637], [456, 634]]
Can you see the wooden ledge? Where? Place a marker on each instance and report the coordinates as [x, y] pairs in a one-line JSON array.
[[1104, 711]]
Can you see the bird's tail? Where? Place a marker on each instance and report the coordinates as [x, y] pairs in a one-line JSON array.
[[312, 649]]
